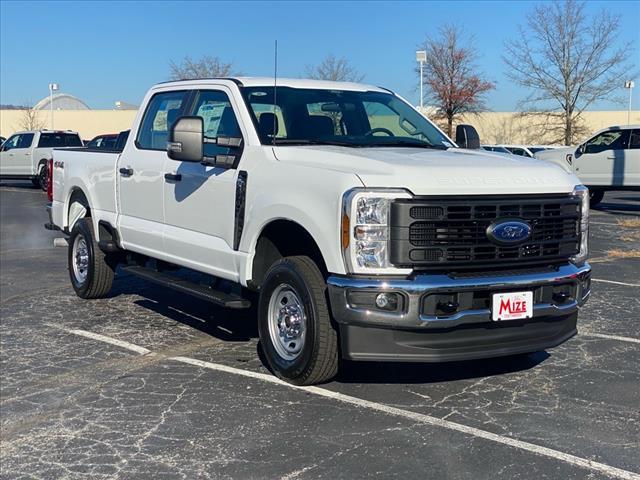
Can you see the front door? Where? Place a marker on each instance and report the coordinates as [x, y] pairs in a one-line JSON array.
[[199, 203], [15, 158], [141, 176], [603, 159]]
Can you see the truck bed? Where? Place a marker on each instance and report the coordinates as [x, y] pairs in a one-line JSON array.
[[93, 171]]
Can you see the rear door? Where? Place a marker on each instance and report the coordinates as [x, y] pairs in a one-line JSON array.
[[199, 203], [140, 171], [603, 159]]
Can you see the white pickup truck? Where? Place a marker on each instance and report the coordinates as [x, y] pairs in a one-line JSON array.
[[609, 160], [24, 155], [366, 233]]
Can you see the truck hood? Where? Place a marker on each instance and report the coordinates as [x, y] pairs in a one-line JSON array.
[[435, 172]]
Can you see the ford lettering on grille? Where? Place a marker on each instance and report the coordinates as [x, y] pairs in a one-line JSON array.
[[508, 232]]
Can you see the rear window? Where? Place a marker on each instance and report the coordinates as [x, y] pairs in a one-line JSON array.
[[53, 140]]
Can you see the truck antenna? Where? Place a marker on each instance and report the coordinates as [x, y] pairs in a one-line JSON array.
[[275, 95]]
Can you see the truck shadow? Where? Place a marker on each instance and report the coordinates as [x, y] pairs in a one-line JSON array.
[[241, 326], [613, 205], [223, 324]]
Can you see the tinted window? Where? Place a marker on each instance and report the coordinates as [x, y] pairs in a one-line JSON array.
[[26, 139], [218, 118], [55, 140], [12, 142], [610, 140], [104, 142], [162, 111], [634, 141]]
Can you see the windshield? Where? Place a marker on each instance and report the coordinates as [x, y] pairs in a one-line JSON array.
[[339, 117]]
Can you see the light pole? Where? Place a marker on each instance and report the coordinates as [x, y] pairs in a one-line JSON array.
[[421, 57], [629, 84], [53, 87]]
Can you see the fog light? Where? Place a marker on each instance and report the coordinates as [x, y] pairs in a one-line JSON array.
[[387, 301]]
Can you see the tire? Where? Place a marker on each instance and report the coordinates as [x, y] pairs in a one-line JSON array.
[[595, 197], [293, 296], [36, 181], [43, 177], [90, 270]]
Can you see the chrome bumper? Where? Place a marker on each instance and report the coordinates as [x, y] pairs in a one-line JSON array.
[[413, 291]]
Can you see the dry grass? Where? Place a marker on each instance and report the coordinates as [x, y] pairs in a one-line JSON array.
[[629, 222], [623, 253]]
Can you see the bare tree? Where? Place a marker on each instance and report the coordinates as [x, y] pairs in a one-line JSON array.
[[335, 69], [450, 74], [567, 60], [30, 118], [204, 67]]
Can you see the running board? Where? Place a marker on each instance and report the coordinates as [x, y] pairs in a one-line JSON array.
[[227, 300]]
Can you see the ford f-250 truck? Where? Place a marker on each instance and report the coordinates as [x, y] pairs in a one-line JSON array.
[[367, 233]]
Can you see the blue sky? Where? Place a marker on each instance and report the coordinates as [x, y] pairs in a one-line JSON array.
[[103, 52]]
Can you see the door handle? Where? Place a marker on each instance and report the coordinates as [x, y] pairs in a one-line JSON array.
[[173, 177], [611, 158], [126, 172]]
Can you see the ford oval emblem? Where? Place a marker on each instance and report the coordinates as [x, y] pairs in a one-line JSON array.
[[508, 232]]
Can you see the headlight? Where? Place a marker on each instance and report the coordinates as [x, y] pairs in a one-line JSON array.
[[365, 230], [583, 193]]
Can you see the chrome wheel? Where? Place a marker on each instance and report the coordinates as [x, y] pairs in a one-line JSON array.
[[80, 259], [287, 322]]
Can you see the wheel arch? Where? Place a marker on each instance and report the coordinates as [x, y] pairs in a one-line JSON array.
[[279, 238]]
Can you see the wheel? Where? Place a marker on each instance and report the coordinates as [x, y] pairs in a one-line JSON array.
[[36, 182], [90, 270], [298, 340], [43, 177], [595, 197]]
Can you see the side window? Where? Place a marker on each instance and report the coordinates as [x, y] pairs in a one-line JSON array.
[[218, 118], [611, 140], [12, 142], [634, 141], [26, 139], [162, 111]]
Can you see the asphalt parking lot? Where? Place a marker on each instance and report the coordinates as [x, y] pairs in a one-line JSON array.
[[152, 384]]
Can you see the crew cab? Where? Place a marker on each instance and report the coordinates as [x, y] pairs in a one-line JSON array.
[[24, 155], [357, 226], [609, 160]]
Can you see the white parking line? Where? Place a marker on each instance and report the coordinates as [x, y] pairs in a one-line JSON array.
[[616, 283], [112, 341], [379, 407], [610, 337]]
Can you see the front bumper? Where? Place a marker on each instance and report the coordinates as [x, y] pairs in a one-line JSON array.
[[412, 333]]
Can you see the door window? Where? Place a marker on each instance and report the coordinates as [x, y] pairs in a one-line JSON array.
[[610, 140], [12, 142], [163, 110], [634, 140], [218, 118]]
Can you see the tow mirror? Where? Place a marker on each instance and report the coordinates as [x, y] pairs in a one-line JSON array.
[[186, 139], [467, 137]]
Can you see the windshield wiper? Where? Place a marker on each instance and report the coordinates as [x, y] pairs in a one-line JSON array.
[[306, 141], [408, 143]]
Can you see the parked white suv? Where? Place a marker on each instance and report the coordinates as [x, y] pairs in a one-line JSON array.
[[609, 160], [24, 155], [365, 232]]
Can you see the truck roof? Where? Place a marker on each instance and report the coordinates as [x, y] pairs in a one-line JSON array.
[[283, 82], [45, 130]]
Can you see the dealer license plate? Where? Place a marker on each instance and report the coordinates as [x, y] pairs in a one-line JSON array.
[[512, 306]]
